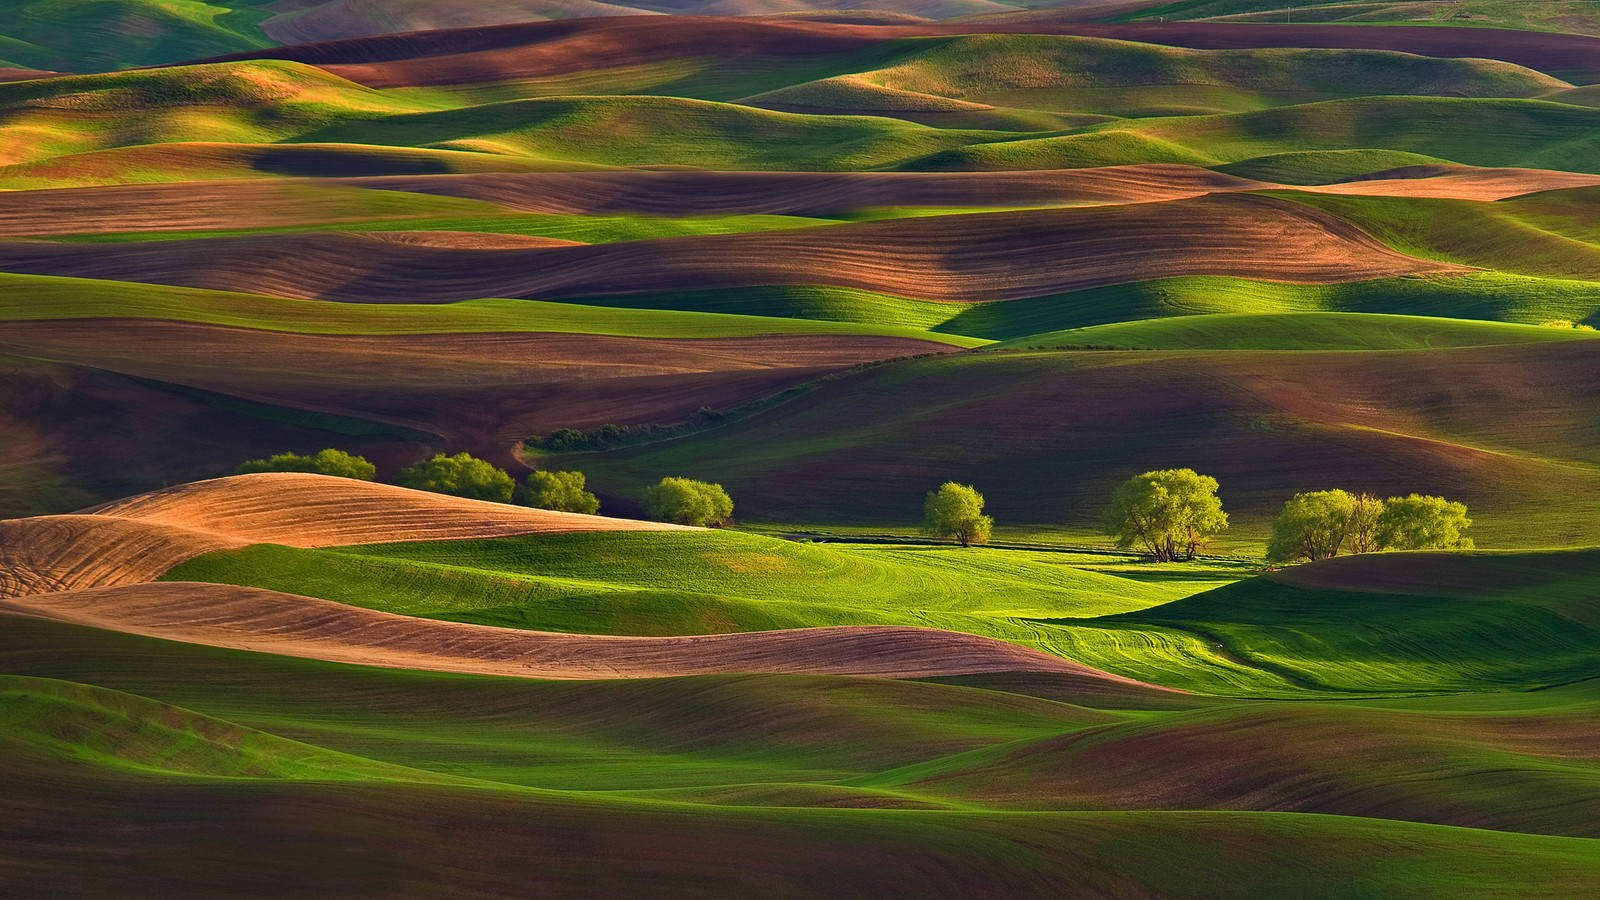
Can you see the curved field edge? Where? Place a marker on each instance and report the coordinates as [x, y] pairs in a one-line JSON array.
[[706, 747], [1488, 296], [1040, 321], [1257, 636], [26, 298], [1300, 331]]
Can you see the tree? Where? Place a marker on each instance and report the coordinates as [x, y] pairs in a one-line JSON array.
[[1169, 513], [561, 491], [1361, 534], [325, 462], [687, 502], [1417, 522], [1313, 525], [956, 510], [460, 475]]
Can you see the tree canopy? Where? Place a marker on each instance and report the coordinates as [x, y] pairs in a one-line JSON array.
[[561, 491], [1311, 526], [324, 462], [687, 502], [1323, 524], [1418, 522], [461, 475], [1169, 513], [956, 510], [1361, 532]]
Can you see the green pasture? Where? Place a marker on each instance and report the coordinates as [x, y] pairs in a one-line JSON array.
[[1179, 627], [43, 298], [1302, 331], [805, 774]]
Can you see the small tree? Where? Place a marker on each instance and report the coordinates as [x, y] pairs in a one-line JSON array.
[[1313, 525], [956, 510], [1170, 513], [461, 476], [561, 491], [325, 462], [687, 502], [1417, 522]]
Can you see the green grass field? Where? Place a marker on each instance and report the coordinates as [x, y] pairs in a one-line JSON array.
[[25, 298], [1486, 297], [1191, 629], [1538, 15], [1301, 331], [685, 762]]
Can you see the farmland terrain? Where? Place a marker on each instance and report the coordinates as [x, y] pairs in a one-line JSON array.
[[829, 259]]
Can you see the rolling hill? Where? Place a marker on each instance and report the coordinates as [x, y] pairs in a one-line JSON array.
[[1490, 425], [828, 258], [198, 730]]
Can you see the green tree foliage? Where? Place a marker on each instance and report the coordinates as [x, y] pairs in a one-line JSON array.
[[460, 475], [1361, 532], [1311, 526], [956, 510], [324, 462], [561, 491], [1170, 513], [687, 502], [1417, 522], [1322, 524]]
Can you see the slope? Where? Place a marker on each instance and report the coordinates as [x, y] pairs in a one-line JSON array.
[[1502, 428], [383, 820]]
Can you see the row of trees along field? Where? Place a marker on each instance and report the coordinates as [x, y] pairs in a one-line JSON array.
[[1168, 514], [1172, 514], [680, 500]]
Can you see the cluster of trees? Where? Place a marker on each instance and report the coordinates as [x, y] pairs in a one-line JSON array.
[[1173, 514], [1170, 514], [462, 475], [1566, 323], [562, 491], [681, 500], [605, 437], [687, 502], [324, 462], [1324, 524]]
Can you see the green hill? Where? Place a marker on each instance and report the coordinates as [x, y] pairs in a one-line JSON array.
[[1488, 297], [687, 767], [1300, 331], [1535, 15], [25, 298], [1069, 74], [1527, 133], [1502, 428], [1488, 618], [1526, 236], [98, 35], [1492, 622]]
